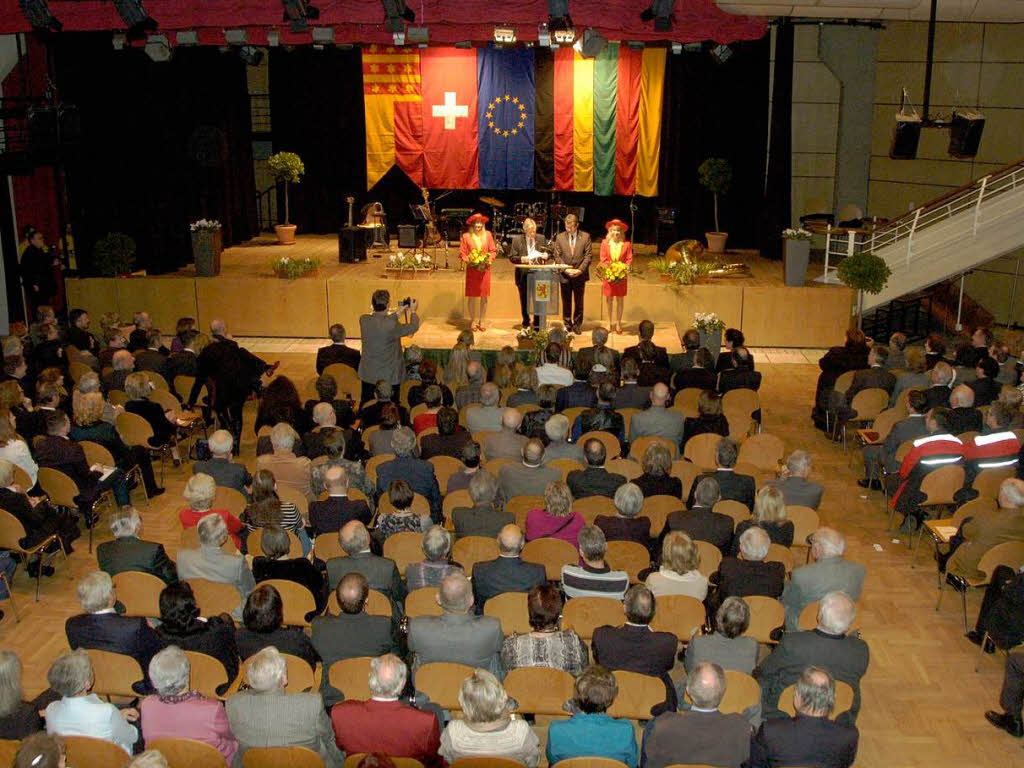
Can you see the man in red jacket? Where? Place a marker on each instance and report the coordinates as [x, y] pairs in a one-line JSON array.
[[937, 449], [384, 723]]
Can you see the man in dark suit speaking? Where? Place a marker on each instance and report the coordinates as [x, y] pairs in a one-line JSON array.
[[572, 247], [526, 250]]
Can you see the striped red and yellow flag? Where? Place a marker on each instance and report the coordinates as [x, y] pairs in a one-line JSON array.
[[390, 75]]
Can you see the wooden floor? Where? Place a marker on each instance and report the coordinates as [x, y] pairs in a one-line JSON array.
[[923, 702]]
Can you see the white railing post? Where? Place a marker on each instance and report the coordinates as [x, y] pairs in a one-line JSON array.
[[828, 249], [910, 237], [977, 206], [960, 304]]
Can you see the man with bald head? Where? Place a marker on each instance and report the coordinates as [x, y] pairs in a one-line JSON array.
[[488, 416], [353, 632], [658, 420], [337, 509], [458, 635], [963, 416], [594, 479], [380, 572], [508, 572], [940, 377], [830, 645], [829, 572], [507, 443], [529, 477], [471, 392]]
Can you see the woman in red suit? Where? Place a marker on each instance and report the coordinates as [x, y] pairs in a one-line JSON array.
[[614, 248], [478, 281]]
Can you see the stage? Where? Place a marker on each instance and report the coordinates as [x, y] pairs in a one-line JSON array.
[[254, 302]]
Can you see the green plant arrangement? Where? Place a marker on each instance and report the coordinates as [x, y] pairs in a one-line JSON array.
[[290, 269], [715, 175], [114, 254], [864, 272], [796, 234], [536, 341], [286, 168], [707, 322]]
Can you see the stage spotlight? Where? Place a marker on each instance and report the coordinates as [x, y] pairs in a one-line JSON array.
[[37, 13], [323, 36], [591, 44], [135, 17], [187, 37], [543, 35], [503, 33], [251, 55], [158, 49], [235, 36], [118, 40], [562, 30], [418, 35], [299, 12], [398, 37], [721, 53], [661, 12], [395, 13]]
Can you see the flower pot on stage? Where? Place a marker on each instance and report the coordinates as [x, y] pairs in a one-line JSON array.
[[405, 273], [716, 241], [712, 341], [797, 256], [285, 234], [207, 245]]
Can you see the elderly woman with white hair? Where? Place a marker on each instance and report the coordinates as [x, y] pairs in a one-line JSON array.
[[749, 574], [429, 572], [200, 491], [36, 515], [175, 712], [266, 715], [18, 718], [626, 525], [81, 712], [487, 727], [770, 515]]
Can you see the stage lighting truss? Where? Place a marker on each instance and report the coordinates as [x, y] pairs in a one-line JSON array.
[[562, 30], [396, 14], [660, 11], [299, 13], [504, 33], [590, 44], [37, 13], [135, 17]]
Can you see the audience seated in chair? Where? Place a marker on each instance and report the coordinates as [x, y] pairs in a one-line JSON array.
[[590, 732], [625, 525], [220, 467], [526, 388], [749, 574], [530, 477], [200, 492], [276, 562], [678, 572], [450, 439], [263, 625], [508, 572], [535, 422], [418, 473], [731, 484], [593, 577], [700, 372], [471, 390], [485, 517], [978, 534], [330, 514], [656, 479], [507, 443], [212, 563], [21, 718], [128, 552], [769, 515], [700, 521], [796, 489], [938, 449], [337, 449], [658, 420], [181, 625], [726, 646], [430, 572], [38, 517], [380, 572], [580, 393], [401, 517], [546, 645], [288, 469], [594, 479], [557, 519], [830, 572], [337, 352], [556, 432], [709, 421]]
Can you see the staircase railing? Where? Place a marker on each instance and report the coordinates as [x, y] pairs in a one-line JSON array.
[[266, 208]]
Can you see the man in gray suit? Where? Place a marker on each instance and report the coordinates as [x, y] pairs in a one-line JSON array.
[[657, 420], [911, 428], [210, 562], [488, 416], [508, 443], [796, 489], [267, 716], [828, 573], [530, 477], [380, 572], [556, 429], [220, 467], [382, 334], [457, 635]]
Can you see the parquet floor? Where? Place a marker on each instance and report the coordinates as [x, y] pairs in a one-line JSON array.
[[923, 701]]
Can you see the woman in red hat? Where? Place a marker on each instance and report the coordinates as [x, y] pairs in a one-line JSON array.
[[477, 243], [615, 248]]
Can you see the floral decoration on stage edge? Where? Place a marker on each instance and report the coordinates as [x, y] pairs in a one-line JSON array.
[[290, 269], [796, 234], [204, 225], [409, 260]]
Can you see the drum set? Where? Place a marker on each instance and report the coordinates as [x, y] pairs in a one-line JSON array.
[[506, 225]]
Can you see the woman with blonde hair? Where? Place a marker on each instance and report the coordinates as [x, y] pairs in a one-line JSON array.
[[164, 423], [14, 449], [678, 574], [455, 369], [556, 520], [770, 514], [487, 728], [505, 368]]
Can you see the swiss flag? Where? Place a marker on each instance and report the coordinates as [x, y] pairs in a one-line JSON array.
[[438, 148]]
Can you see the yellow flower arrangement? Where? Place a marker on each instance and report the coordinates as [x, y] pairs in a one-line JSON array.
[[615, 272], [479, 259]]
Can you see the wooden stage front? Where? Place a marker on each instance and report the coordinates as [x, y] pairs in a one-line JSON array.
[[256, 303]]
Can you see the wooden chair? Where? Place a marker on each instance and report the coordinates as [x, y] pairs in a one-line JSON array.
[[404, 548], [764, 451], [552, 554], [135, 430], [213, 597], [686, 402], [353, 761], [627, 417], [844, 700], [702, 451], [422, 602], [510, 609], [277, 757], [780, 554], [8, 751], [11, 534], [367, 434], [139, 593], [686, 472], [230, 499], [351, 677], [573, 413], [417, 410], [301, 677], [681, 615], [190, 540], [117, 397], [628, 468], [843, 382], [737, 510], [539, 690], [988, 481], [21, 478], [868, 403], [628, 556], [426, 432], [610, 442], [165, 400], [188, 753], [494, 466], [470, 550], [592, 506], [658, 508], [62, 491], [805, 522], [183, 386], [114, 673], [639, 447], [444, 468], [485, 762], [565, 466], [377, 603], [255, 544], [347, 379], [327, 546], [1009, 553], [766, 615], [741, 401], [520, 506], [403, 391], [77, 370], [741, 693], [291, 495], [296, 600], [375, 461], [637, 695], [441, 682], [710, 557], [587, 762], [87, 752], [939, 487], [585, 614], [453, 501], [97, 454], [207, 674], [156, 380]]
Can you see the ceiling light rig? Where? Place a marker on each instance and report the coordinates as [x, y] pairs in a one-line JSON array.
[[660, 11], [560, 24], [504, 33], [299, 13]]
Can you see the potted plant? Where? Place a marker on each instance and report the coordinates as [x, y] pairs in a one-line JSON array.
[[409, 265], [866, 273], [797, 249], [716, 176], [290, 269], [206, 246], [710, 326], [114, 255], [286, 168]]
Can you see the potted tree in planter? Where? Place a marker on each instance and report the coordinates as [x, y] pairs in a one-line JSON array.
[[286, 168], [865, 272], [114, 255], [716, 176]]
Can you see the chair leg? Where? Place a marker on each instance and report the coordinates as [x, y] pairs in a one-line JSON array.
[[10, 592], [942, 588], [981, 651], [963, 601]]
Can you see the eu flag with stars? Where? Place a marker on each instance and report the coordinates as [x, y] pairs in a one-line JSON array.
[[505, 82]]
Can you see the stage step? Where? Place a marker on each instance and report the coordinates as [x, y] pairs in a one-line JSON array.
[[501, 332]]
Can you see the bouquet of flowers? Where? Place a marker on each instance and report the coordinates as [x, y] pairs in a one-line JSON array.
[[796, 234], [204, 225], [614, 272], [707, 322], [409, 260], [291, 269], [479, 259]]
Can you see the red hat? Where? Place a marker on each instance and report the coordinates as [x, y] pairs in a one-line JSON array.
[[477, 217], [617, 223]]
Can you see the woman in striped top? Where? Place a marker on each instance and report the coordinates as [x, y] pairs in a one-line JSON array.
[[266, 508]]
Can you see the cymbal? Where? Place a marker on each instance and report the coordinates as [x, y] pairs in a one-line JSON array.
[[492, 201]]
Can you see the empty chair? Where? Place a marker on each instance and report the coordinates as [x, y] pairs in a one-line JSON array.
[[441, 681], [585, 614], [510, 609], [187, 753], [766, 615], [276, 757], [552, 554], [87, 752]]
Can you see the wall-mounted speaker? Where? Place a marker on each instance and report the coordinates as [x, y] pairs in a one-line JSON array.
[[965, 134], [905, 136]]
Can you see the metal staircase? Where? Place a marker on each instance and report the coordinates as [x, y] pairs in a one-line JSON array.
[[943, 238]]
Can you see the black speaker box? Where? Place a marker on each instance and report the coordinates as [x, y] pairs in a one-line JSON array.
[[406, 236], [352, 244], [905, 136], [42, 132], [965, 134]]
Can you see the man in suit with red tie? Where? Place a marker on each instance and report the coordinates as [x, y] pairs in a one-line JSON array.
[[572, 247]]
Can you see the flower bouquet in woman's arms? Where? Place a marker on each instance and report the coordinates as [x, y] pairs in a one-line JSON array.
[[479, 259], [707, 322], [615, 272]]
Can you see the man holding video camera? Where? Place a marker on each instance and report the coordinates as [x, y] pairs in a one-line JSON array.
[[381, 333]]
